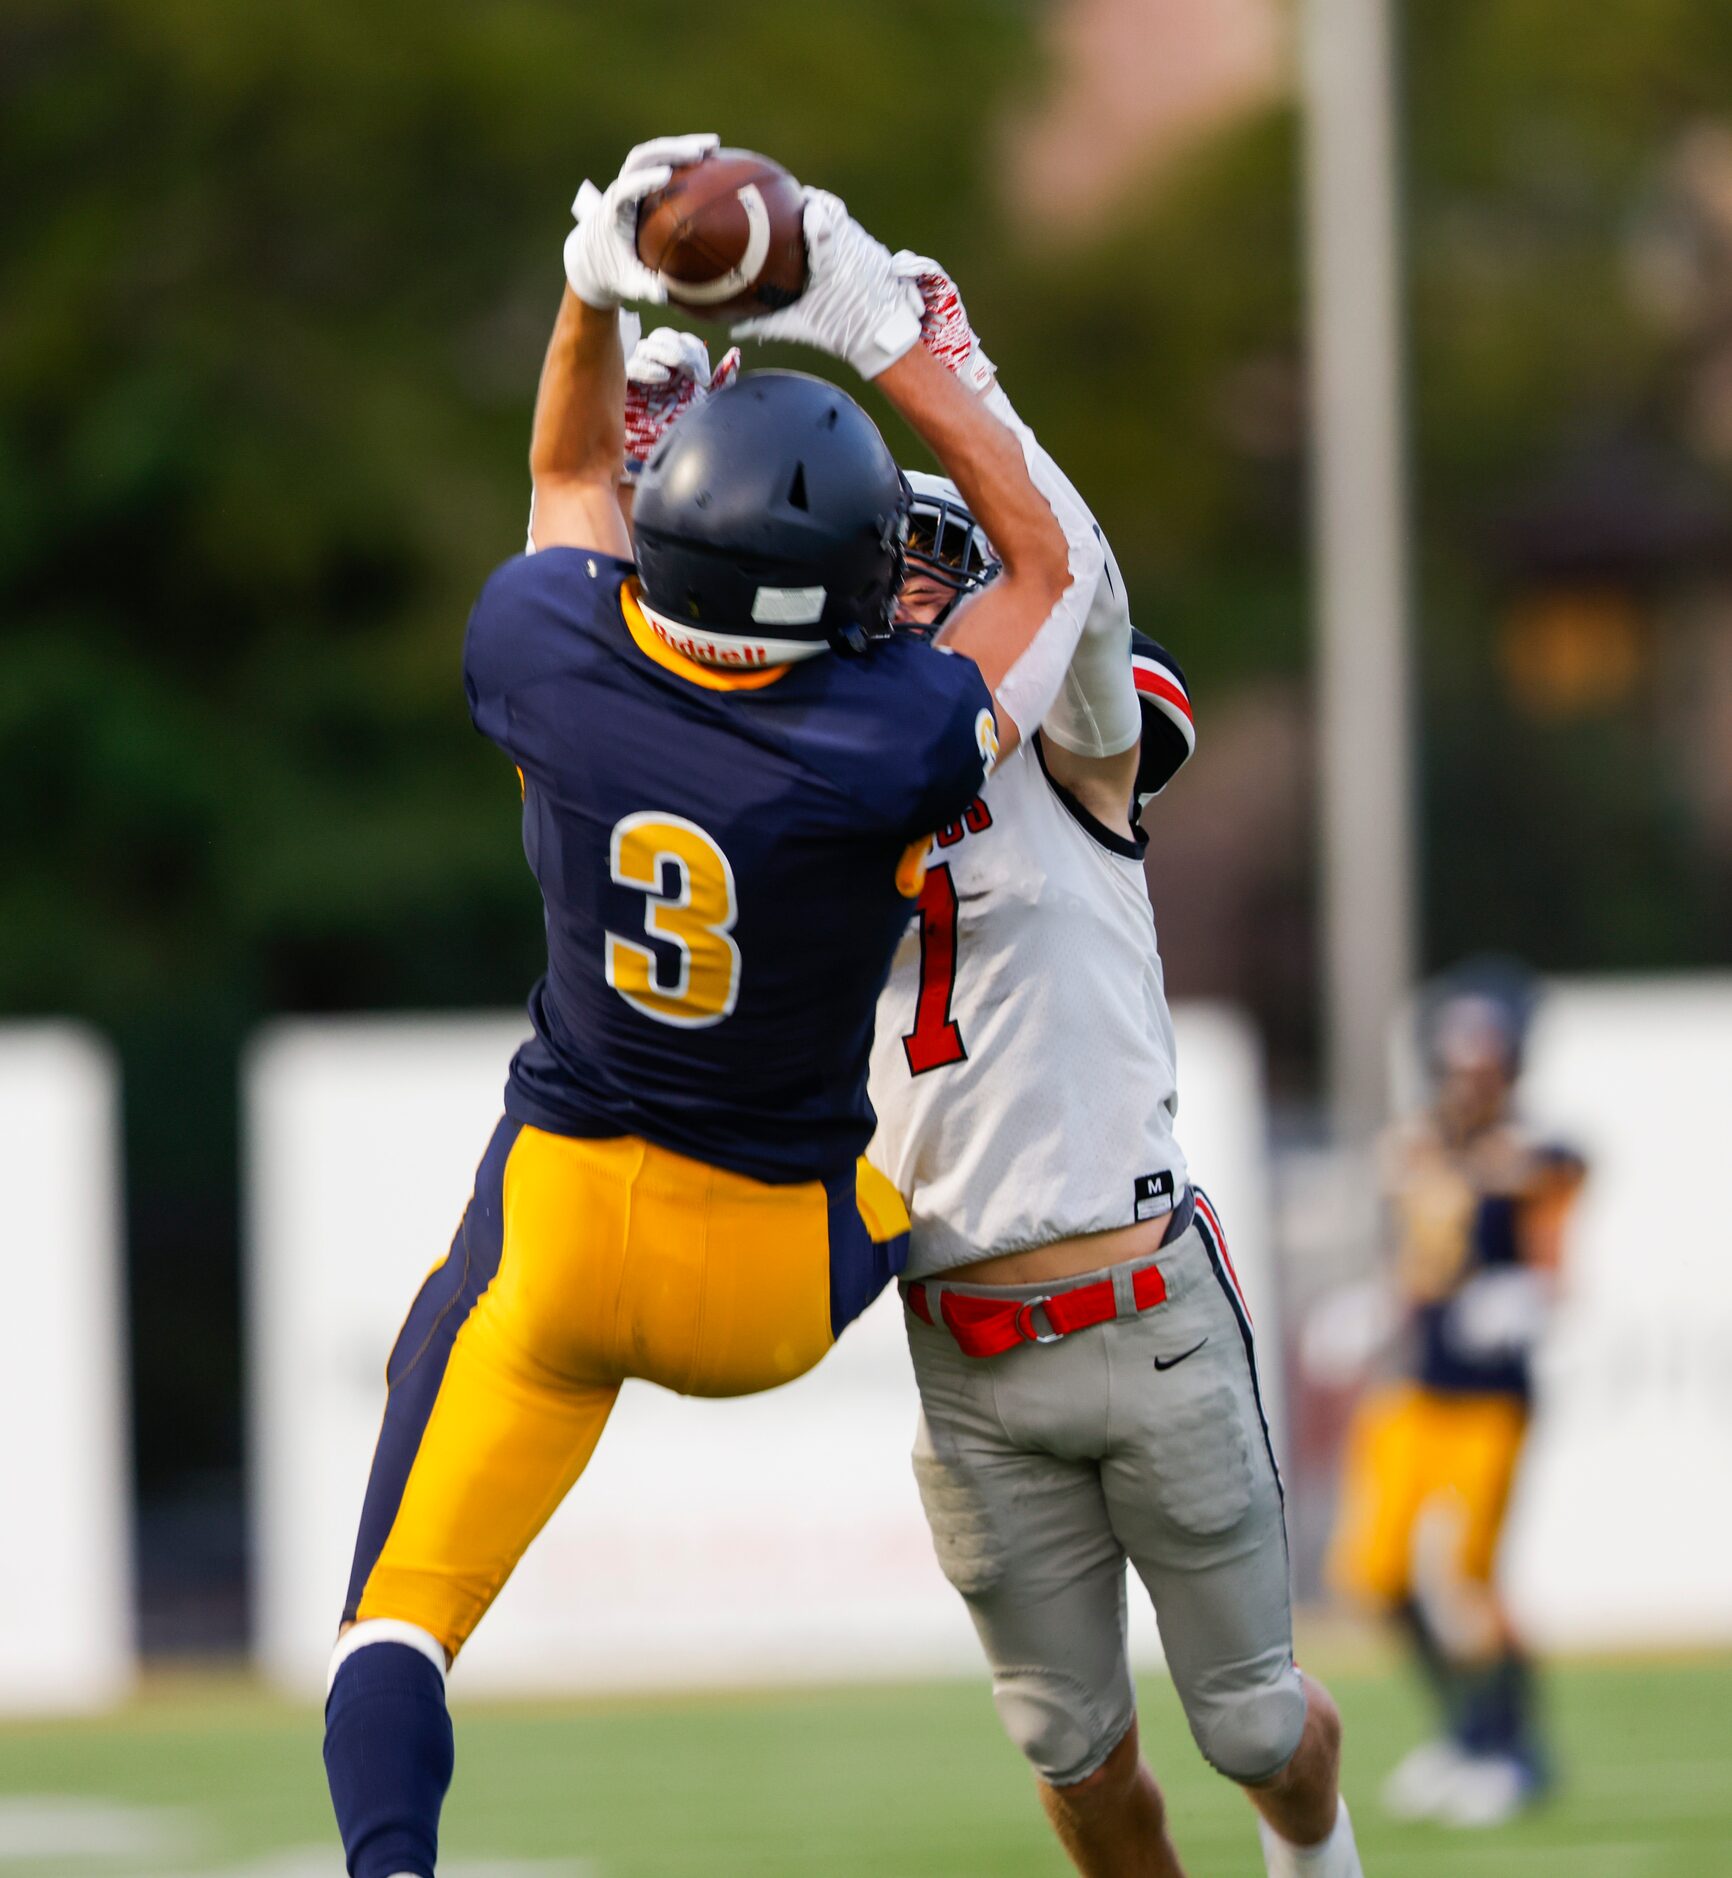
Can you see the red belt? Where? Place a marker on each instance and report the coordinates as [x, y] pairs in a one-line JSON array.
[[990, 1326]]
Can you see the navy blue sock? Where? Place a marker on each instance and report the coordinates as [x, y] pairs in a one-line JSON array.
[[1441, 1676], [1499, 1715], [388, 1757]]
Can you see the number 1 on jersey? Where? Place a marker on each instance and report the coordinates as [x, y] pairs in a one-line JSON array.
[[935, 1039]]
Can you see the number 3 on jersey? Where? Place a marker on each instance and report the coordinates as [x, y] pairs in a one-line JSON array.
[[935, 1039], [697, 918]]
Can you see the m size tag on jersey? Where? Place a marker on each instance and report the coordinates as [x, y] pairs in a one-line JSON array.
[[1154, 1195]]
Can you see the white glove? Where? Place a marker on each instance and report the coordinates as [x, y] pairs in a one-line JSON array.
[[855, 307], [667, 353], [1500, 1313], [945, 330], [601, 251], [1346, 1331], [666, 374]]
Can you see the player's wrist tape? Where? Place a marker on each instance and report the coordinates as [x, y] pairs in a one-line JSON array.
[[895, 333]]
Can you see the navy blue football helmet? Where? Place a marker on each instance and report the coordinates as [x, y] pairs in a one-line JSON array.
[[774, 510], [1486, 1003]]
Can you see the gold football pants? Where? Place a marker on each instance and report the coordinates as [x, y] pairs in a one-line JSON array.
[[1413, 1453], [580, 1263]]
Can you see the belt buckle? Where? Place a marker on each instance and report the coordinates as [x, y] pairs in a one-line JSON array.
[[1023, 1322]]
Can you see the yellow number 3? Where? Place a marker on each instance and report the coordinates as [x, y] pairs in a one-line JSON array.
[[697, 917]]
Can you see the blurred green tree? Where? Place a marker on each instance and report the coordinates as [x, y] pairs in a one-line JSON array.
[[1548, 407]]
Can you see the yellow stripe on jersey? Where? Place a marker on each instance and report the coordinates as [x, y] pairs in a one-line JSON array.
[[880, 1205], [911, 869]]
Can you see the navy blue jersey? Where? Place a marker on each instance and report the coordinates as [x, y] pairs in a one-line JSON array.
[[1443, 1360], [718, 856], [1440, 1361]]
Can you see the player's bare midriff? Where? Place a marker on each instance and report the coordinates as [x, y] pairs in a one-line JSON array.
[[1066, 1258]]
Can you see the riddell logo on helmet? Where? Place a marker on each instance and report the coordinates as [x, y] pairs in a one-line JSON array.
[[731, 651], [708, 651]]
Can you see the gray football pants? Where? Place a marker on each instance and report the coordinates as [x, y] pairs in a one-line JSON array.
[[1044, 1469]]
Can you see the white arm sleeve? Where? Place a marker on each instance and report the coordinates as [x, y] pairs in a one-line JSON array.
[[1096, 712], [1093, 710], [1028, 689]]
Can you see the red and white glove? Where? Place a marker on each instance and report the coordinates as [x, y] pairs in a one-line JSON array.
[[601, 251], [855, 307], [667, 374], [944, 328]]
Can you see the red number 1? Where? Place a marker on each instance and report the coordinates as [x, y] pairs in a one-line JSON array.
[[935, 1039]]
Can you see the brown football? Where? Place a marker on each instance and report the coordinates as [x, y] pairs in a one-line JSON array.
[[725, 235]]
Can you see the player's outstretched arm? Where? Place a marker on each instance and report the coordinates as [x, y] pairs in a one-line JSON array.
[[577, 445], [1023, 629], [1091, 731], [998, 627]]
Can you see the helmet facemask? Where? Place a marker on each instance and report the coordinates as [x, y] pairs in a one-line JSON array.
[[947, 546]]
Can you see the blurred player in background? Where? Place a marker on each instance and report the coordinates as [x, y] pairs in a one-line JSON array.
[[731, 768], [1477, 1207], [1088, 1388]]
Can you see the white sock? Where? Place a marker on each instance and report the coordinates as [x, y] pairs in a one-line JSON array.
[[384, 1630], [1336, 1857]]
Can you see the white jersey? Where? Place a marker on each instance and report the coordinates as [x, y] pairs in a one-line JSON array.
[[1022, 1067]]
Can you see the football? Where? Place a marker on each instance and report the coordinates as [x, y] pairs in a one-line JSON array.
[[725, 234]]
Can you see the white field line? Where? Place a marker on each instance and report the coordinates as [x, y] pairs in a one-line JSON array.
[[1631, 1858], [52, 1825], [320, 1861], [163, 1842]]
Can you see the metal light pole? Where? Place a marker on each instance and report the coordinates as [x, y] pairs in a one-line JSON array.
[[1360, 546]]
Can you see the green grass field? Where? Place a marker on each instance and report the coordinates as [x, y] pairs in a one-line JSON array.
[[213, 1778]]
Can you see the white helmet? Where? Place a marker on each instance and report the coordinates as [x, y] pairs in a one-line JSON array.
[[945, 542]]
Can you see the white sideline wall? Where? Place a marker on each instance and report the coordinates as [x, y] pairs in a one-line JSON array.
[[1621, 1528], [770, 1538], [66, 1637]]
